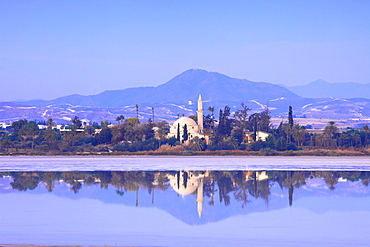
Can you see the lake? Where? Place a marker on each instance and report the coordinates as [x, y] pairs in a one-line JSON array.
[[185, 201]]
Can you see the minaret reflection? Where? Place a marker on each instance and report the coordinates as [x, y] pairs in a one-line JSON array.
[[187, 182]]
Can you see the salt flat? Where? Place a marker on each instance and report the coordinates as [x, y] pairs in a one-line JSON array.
[[150, 163]]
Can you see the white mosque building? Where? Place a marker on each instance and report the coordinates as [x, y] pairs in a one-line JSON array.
[[194, 129], [189, 186]]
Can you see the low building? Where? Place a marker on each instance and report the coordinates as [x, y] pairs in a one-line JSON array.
[[261, 136]]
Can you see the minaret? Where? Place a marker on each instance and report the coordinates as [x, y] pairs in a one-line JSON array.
[[200, 197], [200, 114]]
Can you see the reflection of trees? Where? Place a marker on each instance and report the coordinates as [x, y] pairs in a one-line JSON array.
[[225, 186], [241, 192], [25, 180], [239, 185], [48, 178], [330, 178]]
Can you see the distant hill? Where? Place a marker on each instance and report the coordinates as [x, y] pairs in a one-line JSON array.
[[323, 89], [178, 97], [180, 90]]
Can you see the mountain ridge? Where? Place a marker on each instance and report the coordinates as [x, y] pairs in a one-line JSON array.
[[177, 90], [322, 89], [178, 96]]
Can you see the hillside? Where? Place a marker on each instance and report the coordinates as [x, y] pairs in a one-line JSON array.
[[323, 89], [179, 90], [178, 97]]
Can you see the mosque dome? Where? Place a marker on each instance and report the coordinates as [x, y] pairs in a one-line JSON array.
[[183, 189], [185, 120]]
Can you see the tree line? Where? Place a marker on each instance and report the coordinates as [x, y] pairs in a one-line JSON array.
[[226, 184], [228, 132]]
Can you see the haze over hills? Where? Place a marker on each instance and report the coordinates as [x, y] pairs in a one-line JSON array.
[[179, 95], [323, 89]]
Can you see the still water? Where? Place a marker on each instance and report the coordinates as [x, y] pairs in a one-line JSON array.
[[185, 201]]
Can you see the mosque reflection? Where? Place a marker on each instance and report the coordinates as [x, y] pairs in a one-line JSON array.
[[243, 189]]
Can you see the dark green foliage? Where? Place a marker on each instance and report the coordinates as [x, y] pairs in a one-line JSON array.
[[185, 136], [91, 140], [105, 136], [222, 145], [225, 124], [290, 117], [178, 132], [17, 125], [147, 145], [170, 141], [76, 122], [238, 135]]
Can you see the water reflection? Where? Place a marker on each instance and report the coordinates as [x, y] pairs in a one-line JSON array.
[[212, 188], [164, 208]]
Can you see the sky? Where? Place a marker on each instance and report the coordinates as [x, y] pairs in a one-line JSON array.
[[51, 48]]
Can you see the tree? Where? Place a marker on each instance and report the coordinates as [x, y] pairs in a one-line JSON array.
[[265, 117], [153, 113], [132, 121], [118, 133], [194, 117], [225, 124], [178, 137], [137, 111], [254, 119], [144, 131], [197, 144], [299, 134], [6, 143], [185, 136], [366, 131], [290, 122], [50, 123], [30, 130], [50, 136], [104, 124], [89, 130], [17, 125], [163, 128], [212, 110], [76, 122], [330, 131], [241, 116], [104, 136], [120, 119]]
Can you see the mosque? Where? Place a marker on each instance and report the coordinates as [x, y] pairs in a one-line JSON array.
[[186, 183], [194, 129]]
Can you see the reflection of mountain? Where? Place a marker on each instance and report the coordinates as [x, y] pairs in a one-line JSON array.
[[189, 194]]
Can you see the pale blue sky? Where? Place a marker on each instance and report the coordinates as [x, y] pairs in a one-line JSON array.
[[56, 48]]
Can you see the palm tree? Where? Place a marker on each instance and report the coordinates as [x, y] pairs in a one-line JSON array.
[[50, 123], [120, 119], [153, 113], [137, 111], [299, 133], [197, 144], [330, 131]]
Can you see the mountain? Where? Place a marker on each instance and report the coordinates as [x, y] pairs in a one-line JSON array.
[[322, 89], [179, 90], [178, 97]]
